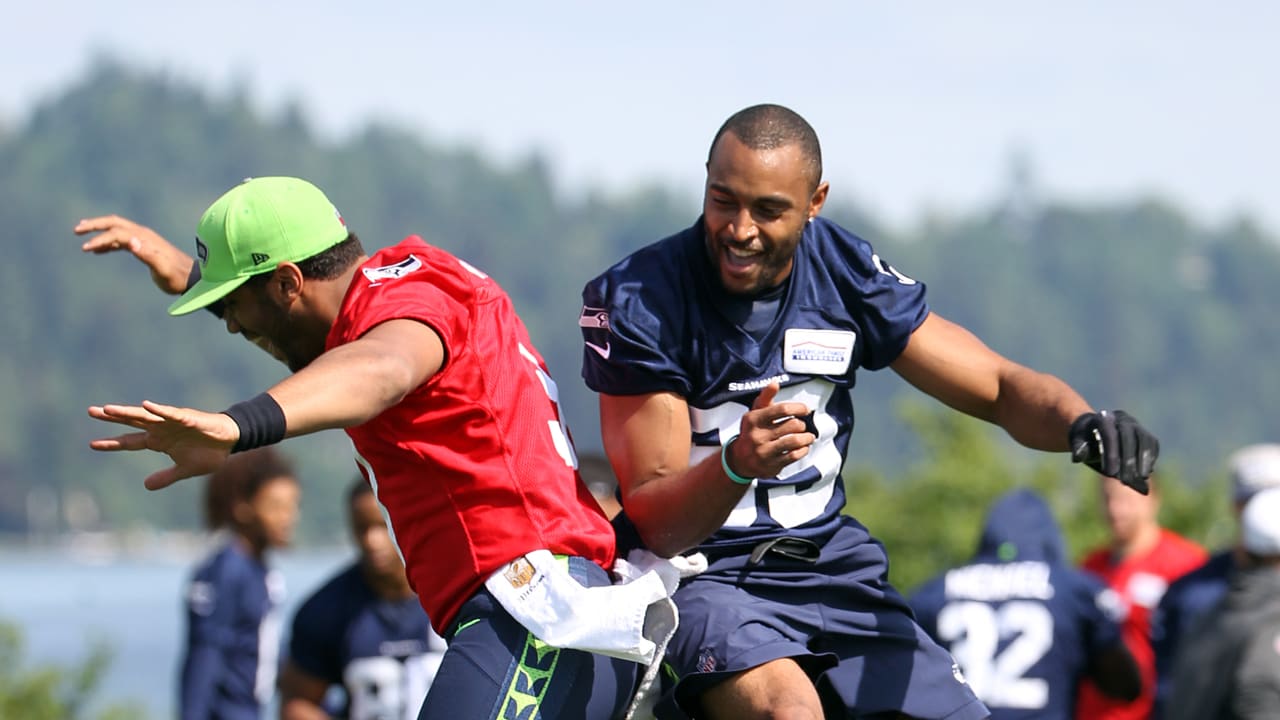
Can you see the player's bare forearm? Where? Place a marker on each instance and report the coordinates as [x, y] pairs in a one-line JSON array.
[[353, 383], [676, 506], [673, 506], [1037, 409], [951, 364], [676, 512]]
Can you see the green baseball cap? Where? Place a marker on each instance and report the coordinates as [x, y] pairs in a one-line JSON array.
[[254, 227]]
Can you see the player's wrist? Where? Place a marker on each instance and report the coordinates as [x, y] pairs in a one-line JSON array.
[[724, 464], [260, 420]]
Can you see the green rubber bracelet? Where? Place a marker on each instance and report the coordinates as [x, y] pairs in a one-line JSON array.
[[724, 463]]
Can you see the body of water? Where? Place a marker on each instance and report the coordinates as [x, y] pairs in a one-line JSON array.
[[63, 599]]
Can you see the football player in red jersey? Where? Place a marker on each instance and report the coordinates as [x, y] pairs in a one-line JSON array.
[[422, 360]]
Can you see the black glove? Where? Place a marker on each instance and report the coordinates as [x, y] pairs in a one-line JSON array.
[[1113, 443]]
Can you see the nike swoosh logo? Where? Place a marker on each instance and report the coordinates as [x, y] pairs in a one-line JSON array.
[[601, 351]]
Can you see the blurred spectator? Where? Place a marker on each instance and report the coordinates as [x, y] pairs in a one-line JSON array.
[[233, 631], [1253, 468], [363, 631], [1229, 666], [1022, 623], [1139, 562]]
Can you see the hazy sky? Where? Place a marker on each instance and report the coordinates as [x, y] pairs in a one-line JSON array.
[[917, 104]]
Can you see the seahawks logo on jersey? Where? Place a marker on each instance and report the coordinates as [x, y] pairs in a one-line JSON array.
[[394, 271]]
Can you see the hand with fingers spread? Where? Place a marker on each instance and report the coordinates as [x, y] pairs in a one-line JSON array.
[[170, 267], [197, 442], [770, 436]]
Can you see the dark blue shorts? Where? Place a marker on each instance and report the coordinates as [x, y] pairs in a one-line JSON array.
[[495, 669], [837, 617]]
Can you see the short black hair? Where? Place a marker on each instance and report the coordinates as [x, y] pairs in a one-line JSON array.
[[767, 127], [333, 262], [327, 265]]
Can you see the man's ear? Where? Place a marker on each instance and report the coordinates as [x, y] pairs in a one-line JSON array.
[[818, 199], [286, 282]]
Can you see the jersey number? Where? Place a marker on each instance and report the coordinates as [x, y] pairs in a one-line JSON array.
[[788, 506], [384, 688], [974, 632], [559, 432]]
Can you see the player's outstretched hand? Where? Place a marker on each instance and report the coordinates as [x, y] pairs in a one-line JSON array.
[[771, 436], [1115, 444], [169, 266], [198, 442]]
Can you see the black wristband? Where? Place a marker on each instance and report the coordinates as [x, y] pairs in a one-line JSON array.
[[261, 422]]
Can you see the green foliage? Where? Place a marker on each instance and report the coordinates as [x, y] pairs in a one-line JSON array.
[[1131, 302], [930, 515], [54, 693]]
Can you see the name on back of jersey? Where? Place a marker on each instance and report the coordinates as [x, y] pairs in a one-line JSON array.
[[995, 582]]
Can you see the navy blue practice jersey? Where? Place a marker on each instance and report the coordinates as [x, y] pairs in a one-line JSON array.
[[1021, 623], [233, 637], [383, 653], [659, 321]]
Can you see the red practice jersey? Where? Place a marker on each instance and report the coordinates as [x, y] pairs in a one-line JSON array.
[[1140, 582], [475, 467]]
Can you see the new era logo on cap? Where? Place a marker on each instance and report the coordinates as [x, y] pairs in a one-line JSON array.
[[259, 258]]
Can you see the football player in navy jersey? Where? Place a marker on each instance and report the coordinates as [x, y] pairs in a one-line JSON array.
[[363, 631], [724, 357], [1022, 623], [233, 628]]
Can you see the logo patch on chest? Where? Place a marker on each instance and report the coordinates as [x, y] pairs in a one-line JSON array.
[[817, 352]]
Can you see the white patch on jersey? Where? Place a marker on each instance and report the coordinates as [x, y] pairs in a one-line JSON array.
[[1112, 605], [393, 271], [817, 352], [886, 269], [1146, 589], [202, 597]]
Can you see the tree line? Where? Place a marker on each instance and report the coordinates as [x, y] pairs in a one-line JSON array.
[[1133, 302]]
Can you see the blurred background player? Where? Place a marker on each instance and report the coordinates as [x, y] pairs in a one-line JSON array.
[[1139, 562], [363, 631], [233, 631], [1253, 468], [1022, 623], [1229, 666]]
